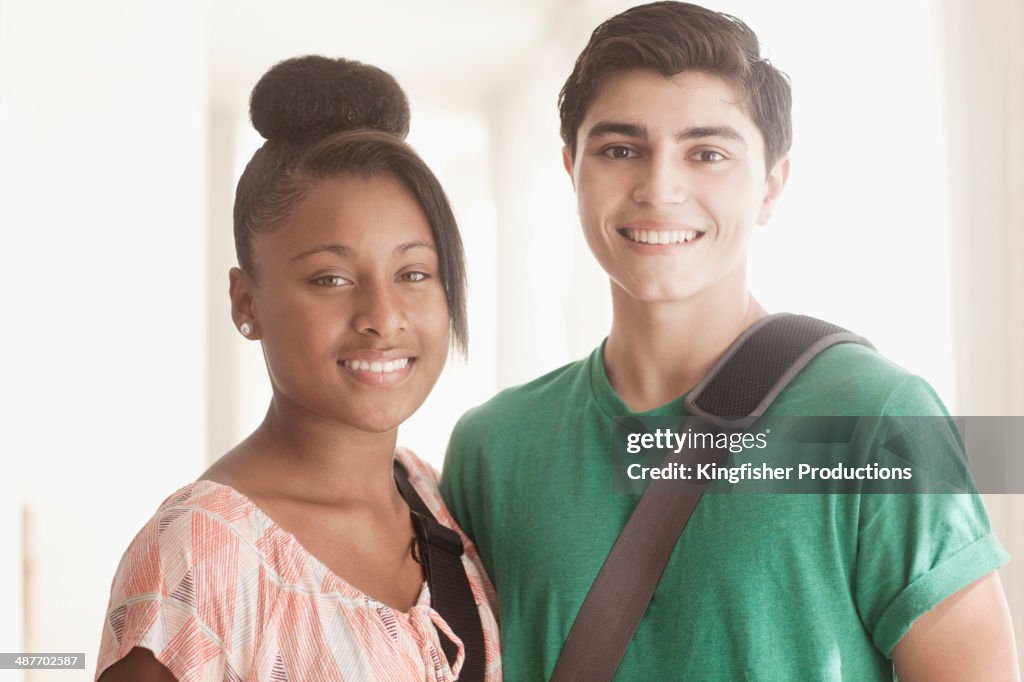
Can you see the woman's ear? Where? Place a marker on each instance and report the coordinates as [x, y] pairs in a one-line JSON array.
[[243, 307]]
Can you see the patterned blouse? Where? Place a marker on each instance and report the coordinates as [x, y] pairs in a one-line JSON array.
[[217, 591]]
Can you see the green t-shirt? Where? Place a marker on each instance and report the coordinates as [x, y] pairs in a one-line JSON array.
[[759, 587]]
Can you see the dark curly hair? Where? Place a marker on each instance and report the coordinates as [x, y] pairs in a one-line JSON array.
[[327, 117], [671, 37]]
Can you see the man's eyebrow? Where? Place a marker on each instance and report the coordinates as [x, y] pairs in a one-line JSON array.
[[639, 132], [700, 132], [602, 128]]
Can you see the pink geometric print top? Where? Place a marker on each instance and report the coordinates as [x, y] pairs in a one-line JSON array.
[[217, 591]]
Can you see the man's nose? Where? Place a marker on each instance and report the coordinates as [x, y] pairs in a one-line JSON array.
[[661, 180]]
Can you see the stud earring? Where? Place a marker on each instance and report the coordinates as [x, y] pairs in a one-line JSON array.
[[246, 329]]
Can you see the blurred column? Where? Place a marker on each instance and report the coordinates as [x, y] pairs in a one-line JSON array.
[[102, 198], [985, 68], [12, 612], [222, 375], [553, 299]]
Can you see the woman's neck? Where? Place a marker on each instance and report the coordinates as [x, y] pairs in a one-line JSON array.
[[303, 456]]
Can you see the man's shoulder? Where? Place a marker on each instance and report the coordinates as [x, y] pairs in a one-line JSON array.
[[844, 359], [853, 379], [527, 401]]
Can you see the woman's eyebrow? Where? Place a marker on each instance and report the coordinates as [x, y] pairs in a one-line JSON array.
[[418, 244], [346, 251], [338, 249]]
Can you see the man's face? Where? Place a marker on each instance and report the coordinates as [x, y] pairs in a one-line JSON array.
[[670, 178]]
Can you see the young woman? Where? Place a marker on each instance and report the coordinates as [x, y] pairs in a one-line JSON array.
[[293, 557]]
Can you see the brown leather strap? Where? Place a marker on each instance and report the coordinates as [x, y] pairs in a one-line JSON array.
[[623, 588], [737, 390]]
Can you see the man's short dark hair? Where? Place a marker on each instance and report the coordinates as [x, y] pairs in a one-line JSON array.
[[672, 37]]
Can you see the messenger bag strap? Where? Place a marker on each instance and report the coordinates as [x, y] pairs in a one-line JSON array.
[[737, 390], [440, 551]]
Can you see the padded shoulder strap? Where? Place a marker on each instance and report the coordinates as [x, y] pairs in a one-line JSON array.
[[759, 364]]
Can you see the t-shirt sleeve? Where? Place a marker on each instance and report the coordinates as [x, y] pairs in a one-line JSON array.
[[158, 602], [459, 480], [915, 550]]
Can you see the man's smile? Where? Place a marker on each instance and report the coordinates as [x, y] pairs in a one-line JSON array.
[[660, 236]]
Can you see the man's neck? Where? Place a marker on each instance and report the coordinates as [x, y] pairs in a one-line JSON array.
[[656, 352]]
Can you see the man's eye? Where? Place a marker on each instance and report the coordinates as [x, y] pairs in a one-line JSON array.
[[709, 156], [414, 276], [330, 281], [619, 152]]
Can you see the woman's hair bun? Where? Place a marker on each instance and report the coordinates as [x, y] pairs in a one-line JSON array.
[[308, 97]]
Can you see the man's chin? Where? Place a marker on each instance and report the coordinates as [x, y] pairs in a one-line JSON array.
[[658, 291]]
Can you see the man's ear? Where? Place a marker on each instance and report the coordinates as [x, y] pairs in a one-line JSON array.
[[773, 186], [243, 307], [567, 164]]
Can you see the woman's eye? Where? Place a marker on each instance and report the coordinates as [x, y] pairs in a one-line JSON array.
[[709, 156], [619, 152], [330, 281], [414, 276]]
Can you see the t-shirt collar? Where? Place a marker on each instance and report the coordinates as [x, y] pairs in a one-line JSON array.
[[610, 402]]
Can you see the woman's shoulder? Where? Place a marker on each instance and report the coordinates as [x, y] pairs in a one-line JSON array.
[[426, 480], [209, 496], [177, 582], [194, 512], [197, 523], [420, 471]]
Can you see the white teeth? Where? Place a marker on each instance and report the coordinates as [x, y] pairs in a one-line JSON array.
[[662, 236], [378, 367]]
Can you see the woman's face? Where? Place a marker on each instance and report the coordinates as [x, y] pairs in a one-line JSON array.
[[349, 304]]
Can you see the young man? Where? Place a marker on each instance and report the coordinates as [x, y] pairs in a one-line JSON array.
[[676, 133]]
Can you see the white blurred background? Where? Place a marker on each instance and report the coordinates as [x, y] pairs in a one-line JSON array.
[[123, 129]]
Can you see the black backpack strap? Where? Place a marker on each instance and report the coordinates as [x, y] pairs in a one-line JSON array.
[[440, 551], [737, 390]]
